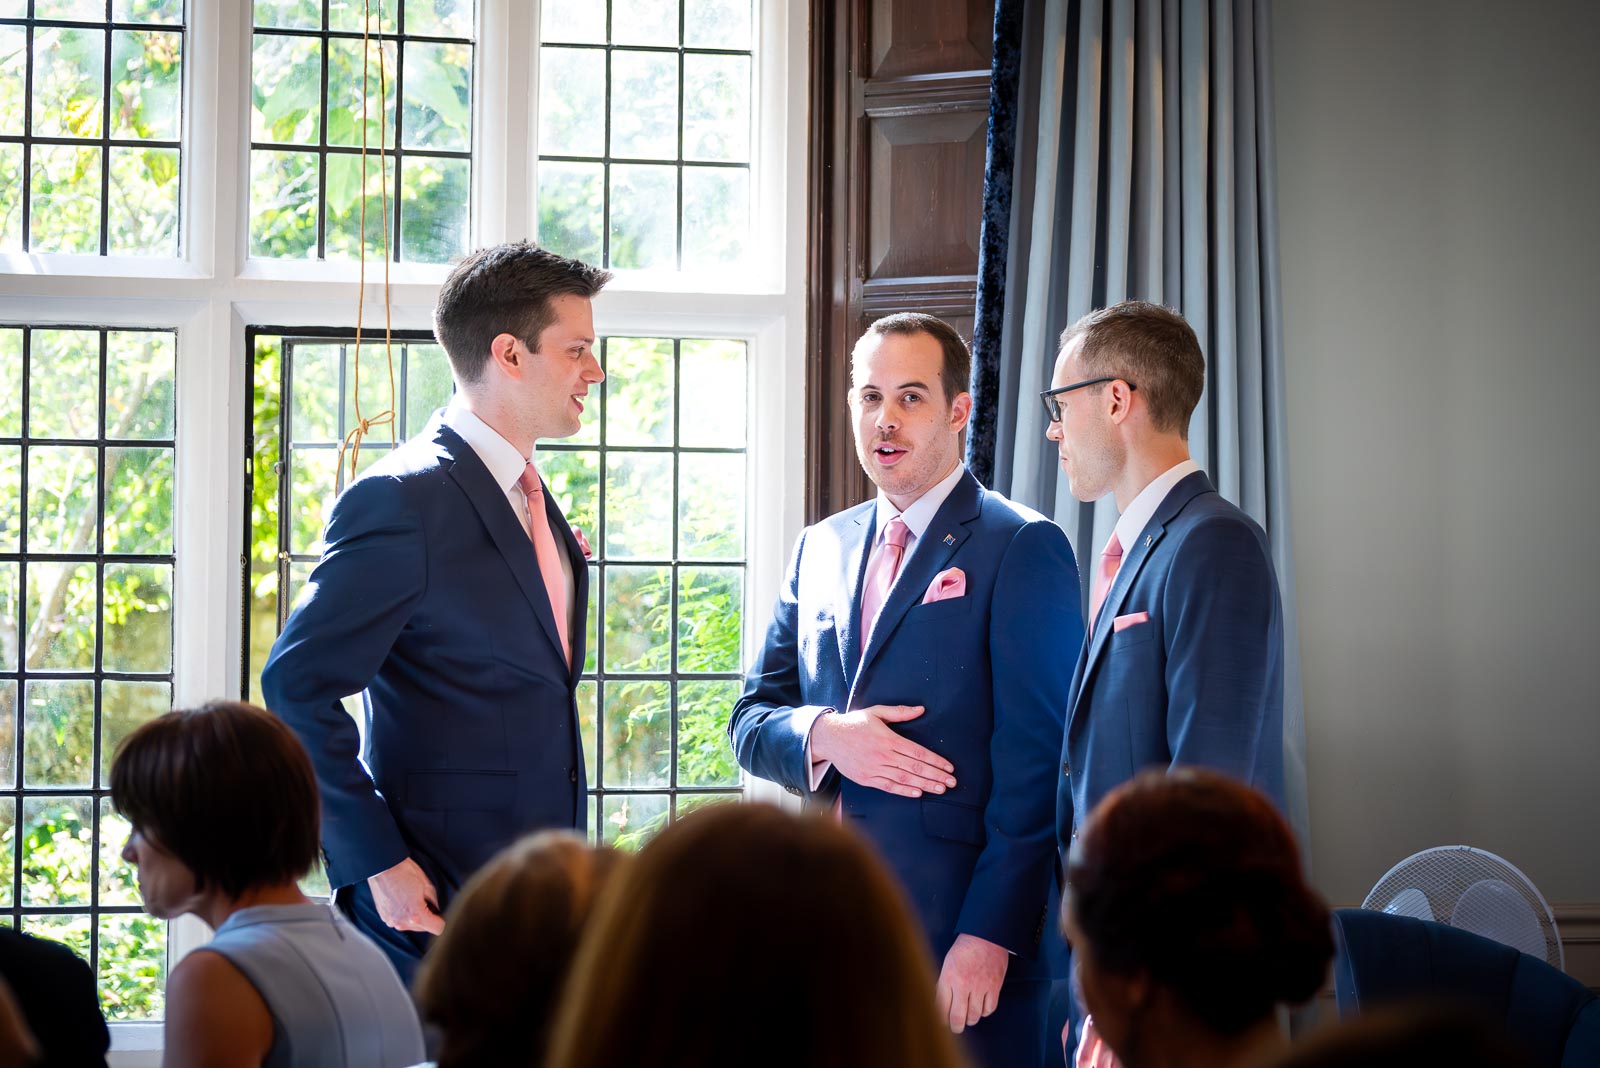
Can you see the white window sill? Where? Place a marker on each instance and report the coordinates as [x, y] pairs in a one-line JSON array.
[[135, 1045], [58, 265]]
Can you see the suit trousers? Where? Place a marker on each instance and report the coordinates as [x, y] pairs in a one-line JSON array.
[[403, 948], [1013, 1036]]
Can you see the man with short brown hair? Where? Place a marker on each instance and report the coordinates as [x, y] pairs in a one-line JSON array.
[[452, 594], [912, 680], [1184, 659]]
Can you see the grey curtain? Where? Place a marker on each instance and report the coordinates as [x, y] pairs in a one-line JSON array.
[[1144, 170]]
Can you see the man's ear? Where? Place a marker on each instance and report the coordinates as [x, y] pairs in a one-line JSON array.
[[504, 355], [1119, 401], [960, 412]]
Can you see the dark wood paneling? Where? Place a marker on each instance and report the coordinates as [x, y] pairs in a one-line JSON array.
[[899, 111], [921, 217], [930, 36]]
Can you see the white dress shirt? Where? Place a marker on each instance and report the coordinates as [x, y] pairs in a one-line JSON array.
[[505, 464], [1137, 517], [918, 515]]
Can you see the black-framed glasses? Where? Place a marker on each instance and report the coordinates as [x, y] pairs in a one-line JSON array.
[[1053, 406]]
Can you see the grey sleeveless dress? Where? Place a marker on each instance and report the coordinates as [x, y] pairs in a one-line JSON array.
[[335, 1000]]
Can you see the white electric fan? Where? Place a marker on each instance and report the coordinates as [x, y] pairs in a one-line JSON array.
[[1474, 890]]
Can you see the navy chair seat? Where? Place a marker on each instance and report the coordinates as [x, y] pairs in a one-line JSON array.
[[1383, 959]]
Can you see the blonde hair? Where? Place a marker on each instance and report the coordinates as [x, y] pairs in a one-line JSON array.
[[745, 934], [492, 979]]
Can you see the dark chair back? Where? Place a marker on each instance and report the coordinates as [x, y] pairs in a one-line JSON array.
[[1382, 959]]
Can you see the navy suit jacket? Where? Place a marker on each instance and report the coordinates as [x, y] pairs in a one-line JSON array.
[[428, 597], [992, 669], [1201, 682]]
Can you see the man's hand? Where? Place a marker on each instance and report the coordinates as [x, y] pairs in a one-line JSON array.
[[406, 898], [867, 751], [969, 982]]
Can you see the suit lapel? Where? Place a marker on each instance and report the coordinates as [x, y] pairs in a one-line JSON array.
[[856, 538], [489, 501], [930, 554], [1133, 561]]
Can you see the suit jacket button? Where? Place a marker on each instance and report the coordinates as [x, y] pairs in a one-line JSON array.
[[573, 775], [1065, 768]]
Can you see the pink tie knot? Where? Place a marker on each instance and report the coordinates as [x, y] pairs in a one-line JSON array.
[[529, 483], [1113, 547], [897, 533]]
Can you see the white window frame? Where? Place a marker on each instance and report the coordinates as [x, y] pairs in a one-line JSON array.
[[213, 292]]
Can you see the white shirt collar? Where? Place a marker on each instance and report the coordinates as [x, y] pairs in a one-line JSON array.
[[504, 462], [1137, 517], [922, 510]]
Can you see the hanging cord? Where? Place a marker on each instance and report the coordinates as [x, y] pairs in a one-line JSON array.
[[352, 440]]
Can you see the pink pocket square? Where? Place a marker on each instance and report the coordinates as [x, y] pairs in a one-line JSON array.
[[583, 543], [946, 585], [1132, 619]]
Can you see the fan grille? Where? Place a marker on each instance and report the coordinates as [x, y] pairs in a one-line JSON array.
[[1444, 874]]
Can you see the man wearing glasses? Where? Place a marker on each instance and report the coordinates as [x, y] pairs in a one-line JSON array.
[[1184, 658], [1183, 662]]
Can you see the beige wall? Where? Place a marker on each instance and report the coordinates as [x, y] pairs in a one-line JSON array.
[[1439, 205]]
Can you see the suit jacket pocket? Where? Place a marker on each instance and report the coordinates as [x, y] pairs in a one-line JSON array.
[[1137, 634], [484, 791], [953, 606], [946, 819]]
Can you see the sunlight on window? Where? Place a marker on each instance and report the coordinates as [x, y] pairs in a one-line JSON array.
[[86, 594], [645, 133]]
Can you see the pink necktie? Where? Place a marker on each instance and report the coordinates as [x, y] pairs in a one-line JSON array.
[[544, 548], [1110, 560], [881, 572]]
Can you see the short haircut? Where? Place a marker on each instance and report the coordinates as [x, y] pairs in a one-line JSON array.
[[505, 289], [1194, 879], [1150, 346], [492, 980], [226, 788], [956, 372], [740, 923]]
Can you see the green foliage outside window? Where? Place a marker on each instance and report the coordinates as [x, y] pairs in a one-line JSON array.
[[132, 945], [637, 748], [69, 99], [430, 94], [84, 618]]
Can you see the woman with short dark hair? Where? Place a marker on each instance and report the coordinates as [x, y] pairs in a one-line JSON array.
[[1191, 921], [223, 804]]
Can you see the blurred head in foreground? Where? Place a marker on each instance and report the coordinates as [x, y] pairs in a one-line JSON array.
[[1190, 919], [491, 981], [721, 944], [1403, 1036]]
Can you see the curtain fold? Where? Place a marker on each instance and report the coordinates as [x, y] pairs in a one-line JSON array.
[[1142, 168]]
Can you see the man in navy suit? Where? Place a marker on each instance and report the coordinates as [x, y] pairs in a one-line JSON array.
[[913, 680], [454, 595], [1184, 660]]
